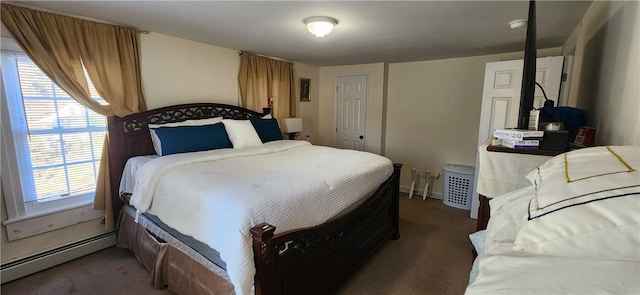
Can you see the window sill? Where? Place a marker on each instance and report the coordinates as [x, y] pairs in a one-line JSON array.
[[27, 226]]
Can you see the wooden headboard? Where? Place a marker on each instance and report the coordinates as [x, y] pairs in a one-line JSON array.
[[129, 136]]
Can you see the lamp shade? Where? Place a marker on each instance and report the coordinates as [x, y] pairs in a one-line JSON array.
[[320, 25], [291, 125]]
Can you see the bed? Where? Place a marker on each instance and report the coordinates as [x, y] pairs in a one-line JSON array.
[[292, 253], [575, 230]]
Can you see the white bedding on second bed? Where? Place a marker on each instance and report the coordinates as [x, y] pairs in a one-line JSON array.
[[586, 243], [506, 268], [217, 196]]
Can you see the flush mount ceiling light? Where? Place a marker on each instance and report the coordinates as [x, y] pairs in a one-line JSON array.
[[320, 25], [518, 23]]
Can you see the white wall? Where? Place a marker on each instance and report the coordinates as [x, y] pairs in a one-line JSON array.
[[375, 112], [433, 112], [176, 70], [607, 49]]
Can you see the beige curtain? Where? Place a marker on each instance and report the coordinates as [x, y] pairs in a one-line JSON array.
[[261, 78], [61, 45]]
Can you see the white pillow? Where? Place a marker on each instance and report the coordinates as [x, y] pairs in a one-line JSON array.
[[586, 205], [608, 228], [582, 176], [157, 146], [241, 133]]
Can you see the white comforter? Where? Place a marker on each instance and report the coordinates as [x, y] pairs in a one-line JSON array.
[[217, 196]]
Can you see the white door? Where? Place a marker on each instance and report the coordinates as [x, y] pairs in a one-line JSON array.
[[351, 111], [501, 98]]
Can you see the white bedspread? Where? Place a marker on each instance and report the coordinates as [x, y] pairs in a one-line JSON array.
[[217, 196]]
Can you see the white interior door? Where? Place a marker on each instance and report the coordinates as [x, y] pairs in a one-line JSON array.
[[351, 112], [501, 98]]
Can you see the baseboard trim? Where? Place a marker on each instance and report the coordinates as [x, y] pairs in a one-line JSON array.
[[418, 192], [25, 266]]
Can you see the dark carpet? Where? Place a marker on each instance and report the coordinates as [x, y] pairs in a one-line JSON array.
[[432, 256]]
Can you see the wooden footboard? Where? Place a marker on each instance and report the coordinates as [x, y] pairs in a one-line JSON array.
[[318, 260]]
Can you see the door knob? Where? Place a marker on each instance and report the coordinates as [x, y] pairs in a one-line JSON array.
[[361, 136]]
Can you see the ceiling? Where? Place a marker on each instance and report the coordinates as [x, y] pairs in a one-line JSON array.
[[367, 31]]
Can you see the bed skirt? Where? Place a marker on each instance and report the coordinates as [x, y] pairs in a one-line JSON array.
[[168, 261]]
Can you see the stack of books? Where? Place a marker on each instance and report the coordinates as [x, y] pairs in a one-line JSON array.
[[519, 138]]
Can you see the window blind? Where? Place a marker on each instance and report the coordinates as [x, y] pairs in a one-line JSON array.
[[58, 141]]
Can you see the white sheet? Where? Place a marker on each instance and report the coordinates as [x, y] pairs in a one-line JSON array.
[[128, 179], [217, 196]]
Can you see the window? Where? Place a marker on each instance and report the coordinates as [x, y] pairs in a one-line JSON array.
[[51, 143]]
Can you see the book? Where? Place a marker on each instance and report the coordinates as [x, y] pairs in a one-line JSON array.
[[534, 119], [518, 134], [585, 136], [519, 144]]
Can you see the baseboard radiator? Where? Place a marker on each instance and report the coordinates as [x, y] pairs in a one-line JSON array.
[[25, 266]]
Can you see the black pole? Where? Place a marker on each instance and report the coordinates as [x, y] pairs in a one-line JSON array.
[[529, 71]]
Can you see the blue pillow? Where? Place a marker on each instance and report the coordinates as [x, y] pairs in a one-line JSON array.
[[184, 139], [267, 129]]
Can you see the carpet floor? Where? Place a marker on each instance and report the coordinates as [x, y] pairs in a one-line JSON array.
[[432, 256]]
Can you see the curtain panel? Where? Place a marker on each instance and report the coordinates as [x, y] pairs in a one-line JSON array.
[[62, 47], [261, 78]]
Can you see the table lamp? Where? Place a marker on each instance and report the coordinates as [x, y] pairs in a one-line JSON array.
[[292, 126]]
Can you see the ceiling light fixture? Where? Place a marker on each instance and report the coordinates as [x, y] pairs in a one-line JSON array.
[[320, 25], [518, 23]]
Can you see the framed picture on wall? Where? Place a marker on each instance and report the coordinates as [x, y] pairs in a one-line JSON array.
[[305, 84]]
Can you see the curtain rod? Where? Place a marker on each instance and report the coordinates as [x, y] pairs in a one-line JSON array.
[[271, 57], [142, 31]]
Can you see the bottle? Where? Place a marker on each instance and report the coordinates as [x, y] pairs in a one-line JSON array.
[[308, 138]]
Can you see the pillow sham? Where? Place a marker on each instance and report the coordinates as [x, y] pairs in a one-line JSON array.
[[183, 139], [241, 133], [197, 122], [582, 176], [608, 228], [267, 129]]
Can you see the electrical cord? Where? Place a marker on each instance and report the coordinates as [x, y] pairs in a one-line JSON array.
[[547, 101]]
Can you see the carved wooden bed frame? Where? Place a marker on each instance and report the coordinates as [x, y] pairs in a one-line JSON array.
[[314, 260]]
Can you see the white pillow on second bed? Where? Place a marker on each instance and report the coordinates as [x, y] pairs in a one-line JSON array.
[[604, 229], [586, 204], [582, 176]]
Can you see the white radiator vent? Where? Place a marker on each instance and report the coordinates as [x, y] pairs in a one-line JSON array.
[[25, 266]]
